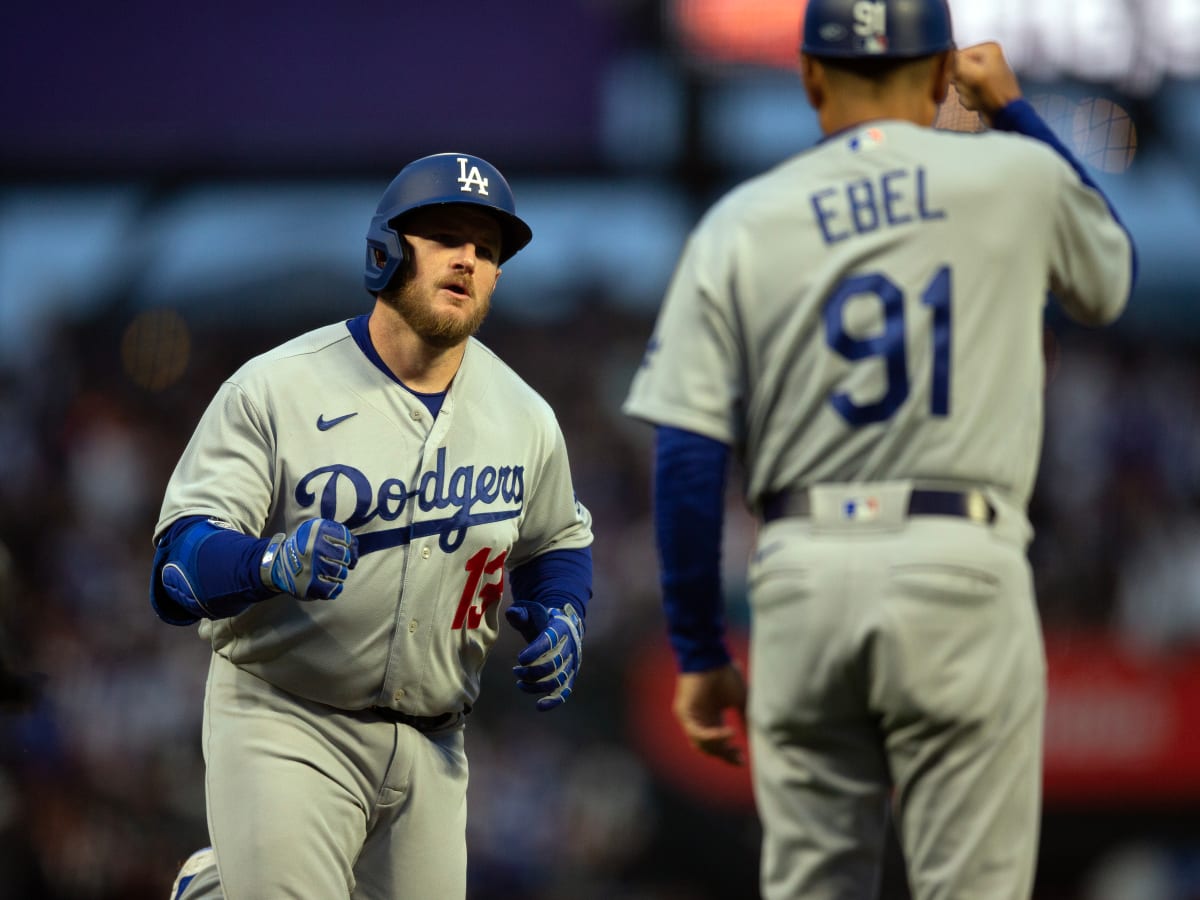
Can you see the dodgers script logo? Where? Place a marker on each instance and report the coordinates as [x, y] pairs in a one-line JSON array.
[[459, 490], [473, 179]]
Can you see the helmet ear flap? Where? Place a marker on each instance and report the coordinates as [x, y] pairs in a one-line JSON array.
[[389, 257]]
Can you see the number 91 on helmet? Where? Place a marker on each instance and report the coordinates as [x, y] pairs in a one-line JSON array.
[[889, 29]]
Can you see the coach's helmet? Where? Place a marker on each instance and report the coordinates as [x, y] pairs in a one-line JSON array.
[[443, 178], [896, 29]]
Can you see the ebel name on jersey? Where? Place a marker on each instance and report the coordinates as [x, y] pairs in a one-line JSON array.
[[436, 489]]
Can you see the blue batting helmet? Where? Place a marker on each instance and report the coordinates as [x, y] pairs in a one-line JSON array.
[[898, 29], [443, 178]]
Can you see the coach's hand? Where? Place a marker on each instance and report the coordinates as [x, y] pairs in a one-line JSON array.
[[313, 563], [984, 80], [701, 699], [549, 664]]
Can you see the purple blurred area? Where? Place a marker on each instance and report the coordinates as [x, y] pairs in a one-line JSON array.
[[143, 86]]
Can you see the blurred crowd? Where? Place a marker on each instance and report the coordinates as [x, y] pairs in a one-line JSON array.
[[101, 785], [1118, 500]]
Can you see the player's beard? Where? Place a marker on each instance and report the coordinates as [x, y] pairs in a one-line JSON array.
[[438, 328]]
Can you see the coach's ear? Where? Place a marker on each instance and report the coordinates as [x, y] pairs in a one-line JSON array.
[[943, 76], [812, 74]]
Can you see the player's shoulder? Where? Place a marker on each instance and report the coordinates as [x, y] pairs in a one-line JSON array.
[[902, 142], [758, 193], [490, 373], [998, 155], [737, 211], [768, 194], [1018, 163], [1008, 144], [296, 351], [309, 342]]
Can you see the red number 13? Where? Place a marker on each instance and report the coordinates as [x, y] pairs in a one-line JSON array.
[[468, 614]]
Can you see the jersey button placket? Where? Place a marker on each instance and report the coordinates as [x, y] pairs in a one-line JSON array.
[[408, 661]]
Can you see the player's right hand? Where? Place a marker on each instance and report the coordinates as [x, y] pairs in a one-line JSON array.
[[701, 699], [312, 563], [984, 80]]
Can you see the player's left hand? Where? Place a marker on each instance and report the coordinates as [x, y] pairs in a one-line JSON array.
[[549, 664]]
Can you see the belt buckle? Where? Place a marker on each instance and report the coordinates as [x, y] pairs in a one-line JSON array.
[[977, 508]]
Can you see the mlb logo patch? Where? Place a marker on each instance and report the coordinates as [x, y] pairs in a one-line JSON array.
[[861, 509], [875, 43], [868, 139]]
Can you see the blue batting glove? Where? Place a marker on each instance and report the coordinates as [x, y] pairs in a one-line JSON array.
[[313, 563], [549, 665]]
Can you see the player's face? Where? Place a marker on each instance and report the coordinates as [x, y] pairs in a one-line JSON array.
[[455, 264]]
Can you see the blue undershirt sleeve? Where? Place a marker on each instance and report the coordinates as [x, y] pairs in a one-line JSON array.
[[555, 578], [689, 505], [205, 571]]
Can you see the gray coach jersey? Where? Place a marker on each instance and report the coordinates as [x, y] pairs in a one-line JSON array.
[[871, 310], [440, 507]]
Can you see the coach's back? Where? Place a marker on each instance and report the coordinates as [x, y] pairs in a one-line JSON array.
[[885, 291]]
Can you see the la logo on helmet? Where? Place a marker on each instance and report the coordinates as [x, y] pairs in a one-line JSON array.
[[473, 179]]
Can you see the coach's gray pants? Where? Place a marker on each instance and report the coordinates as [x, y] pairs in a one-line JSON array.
[[905, 654]]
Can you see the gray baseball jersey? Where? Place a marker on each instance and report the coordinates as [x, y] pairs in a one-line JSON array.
[[806, 327], [440, 507]]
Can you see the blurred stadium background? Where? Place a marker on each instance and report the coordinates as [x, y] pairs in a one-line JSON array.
[[182, 189]]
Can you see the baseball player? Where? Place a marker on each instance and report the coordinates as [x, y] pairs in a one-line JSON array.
[[862, 327], [341, 524]]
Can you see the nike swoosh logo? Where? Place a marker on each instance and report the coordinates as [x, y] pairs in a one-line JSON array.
[[324, 424]]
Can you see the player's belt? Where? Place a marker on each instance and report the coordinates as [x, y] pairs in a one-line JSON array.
[[972, 505], [420, 723]]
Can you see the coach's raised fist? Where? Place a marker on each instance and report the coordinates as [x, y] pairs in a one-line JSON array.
[[312, 563], [984, 80]]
